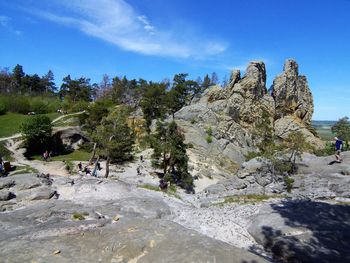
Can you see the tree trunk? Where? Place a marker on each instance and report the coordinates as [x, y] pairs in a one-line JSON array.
[[93, 153], [107, 166], [94, 172]]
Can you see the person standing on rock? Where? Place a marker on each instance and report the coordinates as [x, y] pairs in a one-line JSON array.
[[338, 148]]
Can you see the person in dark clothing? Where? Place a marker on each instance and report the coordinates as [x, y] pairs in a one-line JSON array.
[[99, 166], [163, 185], [80, 166], [338, 148]]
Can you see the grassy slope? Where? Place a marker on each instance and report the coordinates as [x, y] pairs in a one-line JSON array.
[[77, 155], [10, 123]]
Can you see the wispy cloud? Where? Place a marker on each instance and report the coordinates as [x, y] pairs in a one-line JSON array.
[[5, 22], [117, 22]]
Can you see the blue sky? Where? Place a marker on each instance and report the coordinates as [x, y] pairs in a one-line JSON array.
[[155, 39]]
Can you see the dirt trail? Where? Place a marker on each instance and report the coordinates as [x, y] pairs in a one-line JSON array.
[[52, 167]]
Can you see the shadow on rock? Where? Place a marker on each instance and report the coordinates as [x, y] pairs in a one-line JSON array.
[[312, 232]]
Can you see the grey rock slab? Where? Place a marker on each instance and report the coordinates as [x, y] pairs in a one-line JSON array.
[[6, 182], [303, 231], [27, 181]]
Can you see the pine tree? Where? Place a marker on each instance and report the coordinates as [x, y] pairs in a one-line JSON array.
[[115, 139], [170, 154]]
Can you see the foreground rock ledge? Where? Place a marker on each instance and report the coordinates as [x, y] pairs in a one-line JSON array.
[[129, 227]]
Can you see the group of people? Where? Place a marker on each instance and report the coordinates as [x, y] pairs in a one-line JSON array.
[[87, 170]]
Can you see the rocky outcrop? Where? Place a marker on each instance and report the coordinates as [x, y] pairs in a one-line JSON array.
[[70, 138], [233, 113], [292, 94]]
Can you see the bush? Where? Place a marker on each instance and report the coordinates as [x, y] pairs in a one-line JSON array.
[[209, 139], [329, 149], [79, 106], [289, 183], [37, 134], [3, 108], [19, 104], [39, 107]]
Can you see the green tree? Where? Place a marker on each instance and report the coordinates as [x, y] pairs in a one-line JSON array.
[[264, 134], [342, 130], [153, 103], [296, 144], [32, 84], [169, 153], [48, 82], [206, 82], [94, 115], [37, 134], [77, 89], [18, 75], [115, 139]]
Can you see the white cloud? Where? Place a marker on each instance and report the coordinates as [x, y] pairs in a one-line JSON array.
[[117, 22], [5, 22]]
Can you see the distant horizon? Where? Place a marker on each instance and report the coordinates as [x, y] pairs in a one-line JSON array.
[[152, 40]]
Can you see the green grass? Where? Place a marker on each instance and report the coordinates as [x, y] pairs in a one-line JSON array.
[[79, 216], [11, 122], [77, 155], [246, 199], [171, 189], [24, 170]]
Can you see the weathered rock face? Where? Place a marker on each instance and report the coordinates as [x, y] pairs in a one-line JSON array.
[[292, 94], [233, 113]]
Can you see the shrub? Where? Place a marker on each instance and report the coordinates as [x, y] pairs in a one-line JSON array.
[[289, 183], [79, 106], [79, 216], [209, 139], [329, 149], [19, 104], [37, 134], [3, 108], [39, 107]]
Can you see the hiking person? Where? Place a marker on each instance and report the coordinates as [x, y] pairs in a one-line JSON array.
[[45, 155], [338, 148], [141, 158], [138, 171], [80, 166]]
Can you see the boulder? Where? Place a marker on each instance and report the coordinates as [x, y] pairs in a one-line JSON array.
[[6, 195], [42, 193], [288, 124]]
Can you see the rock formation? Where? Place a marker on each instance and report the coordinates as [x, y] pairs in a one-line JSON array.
[[234, 112]]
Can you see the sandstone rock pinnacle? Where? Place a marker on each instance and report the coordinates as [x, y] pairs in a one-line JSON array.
[[292, 94]]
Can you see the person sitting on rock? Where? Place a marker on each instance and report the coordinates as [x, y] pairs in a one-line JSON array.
[[338, 148], [163, 185]]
